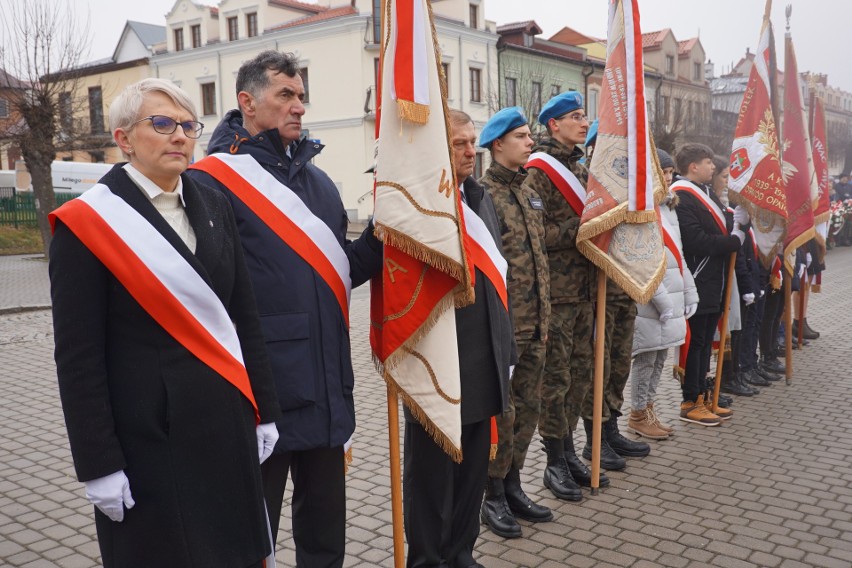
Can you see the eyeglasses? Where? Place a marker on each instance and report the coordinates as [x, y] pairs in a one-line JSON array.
[[166, 125], [576, 117]]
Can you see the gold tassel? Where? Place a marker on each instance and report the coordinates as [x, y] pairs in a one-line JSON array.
[[492, 453], [347, 460], [413, 112]]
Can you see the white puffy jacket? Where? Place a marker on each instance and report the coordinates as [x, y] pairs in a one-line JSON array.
[[674, 292]]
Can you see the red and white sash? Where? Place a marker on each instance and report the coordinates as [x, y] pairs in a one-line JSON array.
[[670, 243], [287, 215], [485, 254], [564, 179], [159, 279], [688, 187]]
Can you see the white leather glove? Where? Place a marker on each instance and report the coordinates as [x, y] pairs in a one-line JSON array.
[[111, 494], [741, 216], [748, 299], [739, 234], [511, 371], [808, 259], [666, 315], [801, 270], [690, 310], [267, 435], [762, 293]]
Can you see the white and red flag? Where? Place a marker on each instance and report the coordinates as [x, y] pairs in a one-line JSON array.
[[619, 230], [798, 168], [755, 180], [418, 215], [822, 206]]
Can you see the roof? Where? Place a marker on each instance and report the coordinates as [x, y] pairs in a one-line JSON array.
[[571, 36], [686, 46], [653, 40], [8, 81], [148, 34], [302, 6], [528, 26], [326, 14]]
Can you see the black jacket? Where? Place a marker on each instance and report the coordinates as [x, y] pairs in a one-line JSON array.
[[136, 399]]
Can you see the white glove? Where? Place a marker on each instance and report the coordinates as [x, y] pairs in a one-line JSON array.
[[667, 315], [748, 299], [808, 259], [511, 371], [741, 216], [739, 234], [267, 435], [690, 310], [111, 494], [762, 293], [801, 270]]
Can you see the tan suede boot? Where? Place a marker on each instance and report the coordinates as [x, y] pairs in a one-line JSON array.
[[660, 424], [642, 423]]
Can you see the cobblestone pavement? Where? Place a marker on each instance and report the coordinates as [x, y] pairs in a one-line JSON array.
[[770, 488], [23, 282]]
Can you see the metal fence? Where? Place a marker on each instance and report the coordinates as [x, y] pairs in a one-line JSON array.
[[17, 209]]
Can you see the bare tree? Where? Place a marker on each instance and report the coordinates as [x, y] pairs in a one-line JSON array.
[[43, 43], [679, 116]]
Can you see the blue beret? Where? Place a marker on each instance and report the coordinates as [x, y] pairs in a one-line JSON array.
[[560, 104], [592, 134], [502, 122]]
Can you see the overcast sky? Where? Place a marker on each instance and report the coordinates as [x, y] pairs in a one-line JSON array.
[[726, 27]]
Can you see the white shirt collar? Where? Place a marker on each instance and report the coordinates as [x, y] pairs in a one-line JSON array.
[[150, 188]]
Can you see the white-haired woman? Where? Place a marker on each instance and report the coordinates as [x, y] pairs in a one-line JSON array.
[[162, 367]]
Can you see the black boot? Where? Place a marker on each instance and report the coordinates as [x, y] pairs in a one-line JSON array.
[[807, 333], [810, 333], [609, 459], [754, 379], [773, 365], [726, 401], [520, 504], [771, 377], [578, 469], [495, 511], [557, 477], [621, 445], [732, 384]]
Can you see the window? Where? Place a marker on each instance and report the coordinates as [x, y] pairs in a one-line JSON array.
[[474, 15], [195, 32], [592, 108], [251, 24], [4, 108], [529, 40], [669, 64], [208, 99], [663, 109], [475, 85], [554, 90], [179, 39], [535, 98], [233, 29], [65, 111], [377, 21], [446, 85], [304, 73], [96, 110], [696, 72], [97, 156], [477, 166], [677, 110], [511, 91]]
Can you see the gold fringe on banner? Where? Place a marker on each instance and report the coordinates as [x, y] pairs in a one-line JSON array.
[[413, 112]]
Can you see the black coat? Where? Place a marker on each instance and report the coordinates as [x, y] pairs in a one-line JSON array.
[[306, 334], [706, 249], [137, 400]]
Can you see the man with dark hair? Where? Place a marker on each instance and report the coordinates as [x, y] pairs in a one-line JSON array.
[[441, 498], [520, 212], [708, 242], [281, 201]]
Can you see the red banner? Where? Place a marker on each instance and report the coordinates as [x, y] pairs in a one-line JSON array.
[[820, 155]]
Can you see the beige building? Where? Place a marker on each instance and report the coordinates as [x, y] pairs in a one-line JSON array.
[[338, 52]]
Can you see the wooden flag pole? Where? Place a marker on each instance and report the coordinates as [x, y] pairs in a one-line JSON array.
[[597, 405], [788, 329], [723, 331], [396, 480]]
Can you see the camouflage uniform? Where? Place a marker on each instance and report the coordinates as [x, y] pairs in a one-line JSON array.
[[618, 347], [520, 213], [570, 355]]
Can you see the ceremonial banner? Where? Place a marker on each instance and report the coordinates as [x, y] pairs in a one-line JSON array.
[[755, 175], [798, 168], [822, 205], [418, 216], [619, 231]]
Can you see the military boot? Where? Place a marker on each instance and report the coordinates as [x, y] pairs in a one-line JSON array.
[[557, 477], [621, 445], [609, 459], [495, 510], [520, 504], [578, 469]]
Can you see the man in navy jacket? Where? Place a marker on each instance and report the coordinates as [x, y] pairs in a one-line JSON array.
[[304, 320]]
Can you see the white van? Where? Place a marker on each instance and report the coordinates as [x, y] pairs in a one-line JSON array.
[[77, 177]]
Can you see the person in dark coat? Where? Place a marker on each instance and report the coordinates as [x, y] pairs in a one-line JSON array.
[[441, 498], [167, 447], [706, 248], [304, 324]]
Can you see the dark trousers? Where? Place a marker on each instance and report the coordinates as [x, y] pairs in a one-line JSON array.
[[771, 320], [701, 328], [441, 499], [318, 506], [751, 316]]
